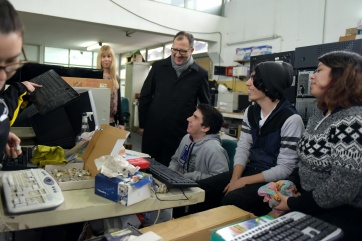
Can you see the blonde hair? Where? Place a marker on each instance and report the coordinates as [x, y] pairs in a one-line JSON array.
[[105, 49]]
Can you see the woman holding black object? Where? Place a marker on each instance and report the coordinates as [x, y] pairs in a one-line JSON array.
[[106, 60], [11, 41], [330, 150]]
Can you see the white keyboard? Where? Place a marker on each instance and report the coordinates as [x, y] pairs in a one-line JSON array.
[[132, 154], [30, 190], [294, 226]]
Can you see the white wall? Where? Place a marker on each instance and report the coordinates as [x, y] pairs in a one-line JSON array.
[[297, 23], [153, 16]]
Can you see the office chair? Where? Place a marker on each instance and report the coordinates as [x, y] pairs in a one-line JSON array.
[[230, 147]]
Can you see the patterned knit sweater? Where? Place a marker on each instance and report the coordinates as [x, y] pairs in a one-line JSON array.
[[330, 167]]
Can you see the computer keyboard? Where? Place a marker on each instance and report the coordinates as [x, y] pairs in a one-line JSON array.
[[294, 226], [30, 190], [55, 92], [19, 163], [167, 176], [132, 154]]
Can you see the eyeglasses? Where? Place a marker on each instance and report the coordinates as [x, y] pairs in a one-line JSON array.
[[181, 51], [13, 66]]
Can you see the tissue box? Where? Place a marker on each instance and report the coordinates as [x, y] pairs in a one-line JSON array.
[[261, 50], [126, 191], [243, 53], [70, 185]]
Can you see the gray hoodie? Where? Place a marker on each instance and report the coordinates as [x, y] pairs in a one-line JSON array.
[[201, 159]]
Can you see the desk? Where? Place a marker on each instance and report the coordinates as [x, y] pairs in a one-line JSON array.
[[26, 135], [83, 205]]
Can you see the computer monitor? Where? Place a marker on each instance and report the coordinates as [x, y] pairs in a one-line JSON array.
[[61, 126], [100, 100], [32, 70]]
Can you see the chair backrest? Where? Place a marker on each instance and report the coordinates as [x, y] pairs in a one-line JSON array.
[[230, 147]]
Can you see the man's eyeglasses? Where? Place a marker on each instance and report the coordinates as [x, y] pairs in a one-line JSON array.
[[13, 66], [181, 51]]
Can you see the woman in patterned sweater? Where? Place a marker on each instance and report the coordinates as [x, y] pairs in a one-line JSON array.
[[330, 149]]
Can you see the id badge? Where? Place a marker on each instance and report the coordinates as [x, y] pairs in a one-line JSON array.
[[184, 154]]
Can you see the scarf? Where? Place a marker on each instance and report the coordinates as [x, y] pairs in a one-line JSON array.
[[181, 67]]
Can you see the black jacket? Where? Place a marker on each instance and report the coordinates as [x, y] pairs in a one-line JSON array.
[[166, 101]]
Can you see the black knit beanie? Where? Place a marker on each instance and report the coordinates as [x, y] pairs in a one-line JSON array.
[[276, 76]]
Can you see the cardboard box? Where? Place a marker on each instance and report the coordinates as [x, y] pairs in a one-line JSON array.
[[89, 83], [243, 53], [126, 191], [198, 226], [350, 37], [71, 185], [351, 31], [104, 142], [261, 50]]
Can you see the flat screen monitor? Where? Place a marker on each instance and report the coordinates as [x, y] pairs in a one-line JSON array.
[[100, 100]]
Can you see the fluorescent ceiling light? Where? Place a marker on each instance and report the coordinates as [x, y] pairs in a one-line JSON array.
[[95, 46]]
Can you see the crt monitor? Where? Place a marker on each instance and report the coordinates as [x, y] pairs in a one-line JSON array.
[[31, 70], [61, 126]]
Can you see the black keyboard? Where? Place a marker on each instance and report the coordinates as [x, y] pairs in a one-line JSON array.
[[55, 92], [294, 226], [167, 176], [21, 162]]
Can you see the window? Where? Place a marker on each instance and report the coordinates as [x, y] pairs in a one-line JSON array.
[[56, 55], [155, 54], [80, 58], [95, 55], [167, 51], [206, 6], [200, 47], [143, 53]]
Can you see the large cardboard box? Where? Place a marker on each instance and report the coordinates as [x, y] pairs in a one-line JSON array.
[[88, 83], [198, 226], [108, 140]]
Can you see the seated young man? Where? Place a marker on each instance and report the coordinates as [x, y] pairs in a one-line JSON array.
[[200, 154], [266, 150]]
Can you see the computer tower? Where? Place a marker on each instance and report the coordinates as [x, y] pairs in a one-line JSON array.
[[305, 63]]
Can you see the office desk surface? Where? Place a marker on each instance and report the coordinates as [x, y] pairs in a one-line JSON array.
[[83, 205]]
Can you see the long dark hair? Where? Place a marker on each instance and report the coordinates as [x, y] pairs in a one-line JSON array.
[[9, 19], [345, 88]]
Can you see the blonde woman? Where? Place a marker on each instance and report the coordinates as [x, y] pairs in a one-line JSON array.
[[106, 60]]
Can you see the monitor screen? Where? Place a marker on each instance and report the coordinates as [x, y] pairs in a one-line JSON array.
[[100, 100]]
